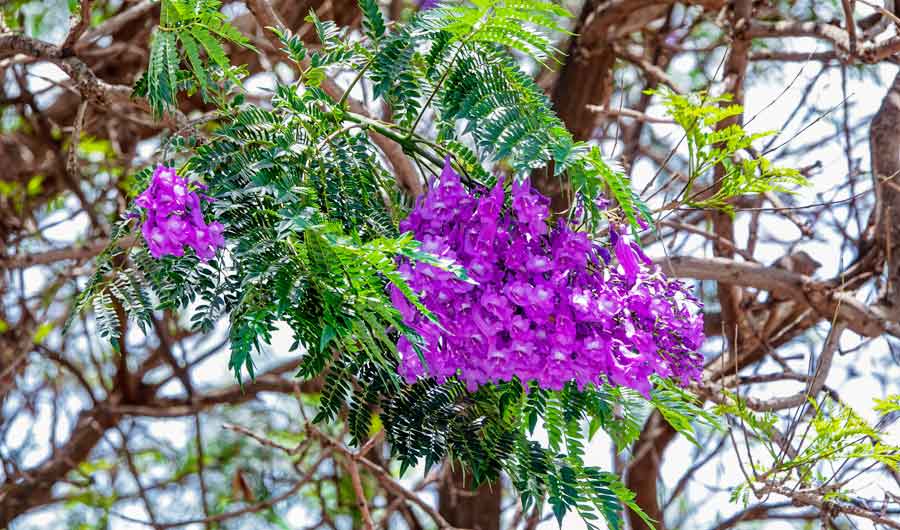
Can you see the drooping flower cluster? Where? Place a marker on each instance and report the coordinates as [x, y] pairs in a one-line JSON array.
[[174, 218], [549, 305]]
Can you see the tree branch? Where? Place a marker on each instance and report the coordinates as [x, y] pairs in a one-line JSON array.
[[840, 38], [87, 83], [824, 297]]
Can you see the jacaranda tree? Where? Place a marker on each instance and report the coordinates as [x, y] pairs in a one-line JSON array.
[[462, 318], [486, 304]]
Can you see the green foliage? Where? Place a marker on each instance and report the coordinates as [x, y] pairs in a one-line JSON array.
[[373, 20], [523, 25], [493, 429], [832, 436], [709, 146], [888, 405], [681, 410], [311, 219], [591, 175], [200, 27], [506, 115], [18, 194]]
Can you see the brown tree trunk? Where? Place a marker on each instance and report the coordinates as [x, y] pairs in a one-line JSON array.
[[464, 507], [643, 471], [585, 79], [884, 144]]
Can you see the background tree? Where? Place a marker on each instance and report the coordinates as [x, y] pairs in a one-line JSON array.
[[801, 290]]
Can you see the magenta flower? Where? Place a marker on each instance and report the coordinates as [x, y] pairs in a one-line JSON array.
[[174, 218], [549, 306], [626, 255]]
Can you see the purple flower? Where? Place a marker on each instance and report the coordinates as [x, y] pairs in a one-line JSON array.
[[548, 306], [174, 218], [626, 256]]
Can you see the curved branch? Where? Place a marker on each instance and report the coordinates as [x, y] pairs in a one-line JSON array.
[[823, 297], [86, 81], [815, 385], [840, 38], [36, 486]]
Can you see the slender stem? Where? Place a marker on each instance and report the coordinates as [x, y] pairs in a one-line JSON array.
[[356, 79], [361, 503], [338, 132], [436, 87], [409, 141]]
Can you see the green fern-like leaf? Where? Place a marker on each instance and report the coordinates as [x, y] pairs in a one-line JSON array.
[[373, 20]]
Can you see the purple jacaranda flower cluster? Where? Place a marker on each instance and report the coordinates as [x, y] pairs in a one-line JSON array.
[[174, 218], [549, 305]]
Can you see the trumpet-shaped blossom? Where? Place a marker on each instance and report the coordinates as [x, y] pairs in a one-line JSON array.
[[174, 218], [549, 306]]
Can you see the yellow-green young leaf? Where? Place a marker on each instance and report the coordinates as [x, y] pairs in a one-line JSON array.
[[89, 468], [34, 185], [42, 331], [376, 426], [314, 76], [89, 145], [888, 405], [4, 327], [7, 188], [284, 437], [91, 498]]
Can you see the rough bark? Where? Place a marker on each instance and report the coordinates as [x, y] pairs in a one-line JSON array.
[[884, 143], [463, 507], [36, 488], [723, 224], [587, 76]]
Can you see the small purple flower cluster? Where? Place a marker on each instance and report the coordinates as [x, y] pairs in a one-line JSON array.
[[548, 306], [174, 218]]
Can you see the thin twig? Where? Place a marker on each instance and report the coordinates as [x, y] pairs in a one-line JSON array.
[[81, 21]]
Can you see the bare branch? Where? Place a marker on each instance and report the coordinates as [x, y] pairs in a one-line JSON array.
[[88, 84], [81, 22], [824, 297], [867, 53]]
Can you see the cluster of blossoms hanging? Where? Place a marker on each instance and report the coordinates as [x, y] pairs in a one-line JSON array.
[[174, 218], [549, 305]]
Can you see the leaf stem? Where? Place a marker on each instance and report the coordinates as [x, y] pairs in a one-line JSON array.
[[436, 87], [356, 79]]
